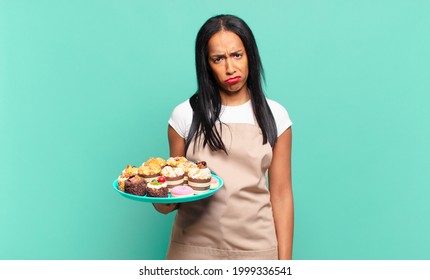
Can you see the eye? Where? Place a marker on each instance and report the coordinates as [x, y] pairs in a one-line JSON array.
[[217, 59], [237, 55]]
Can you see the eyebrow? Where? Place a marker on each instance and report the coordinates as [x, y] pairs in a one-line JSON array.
[[223, 55]]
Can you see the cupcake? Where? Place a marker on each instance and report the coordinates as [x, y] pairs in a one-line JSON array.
[[159, 161], [135, 185], [199, 179], [121, 183], [186, 166], [149, 172], [128, 172], [157, 187], [201, 164], [175, 161], [181, 191], [214, 183], [174, 176]]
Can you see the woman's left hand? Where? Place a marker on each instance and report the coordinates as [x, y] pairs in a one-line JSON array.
[[165, 208]]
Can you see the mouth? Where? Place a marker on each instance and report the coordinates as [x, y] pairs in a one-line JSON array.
[[233, 80]]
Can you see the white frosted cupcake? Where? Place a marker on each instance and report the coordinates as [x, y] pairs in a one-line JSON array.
[[174, 176], [157, 188], [199, 179], [186, 166]]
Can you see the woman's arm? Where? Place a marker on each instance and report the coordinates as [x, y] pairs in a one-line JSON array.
[[177, 149], [176, 143], [281, 194]]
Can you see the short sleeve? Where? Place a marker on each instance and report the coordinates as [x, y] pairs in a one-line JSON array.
[[282, 118], [181, 118]]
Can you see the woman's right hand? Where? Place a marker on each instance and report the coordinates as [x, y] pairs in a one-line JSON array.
[[177, 148], [165, 208]]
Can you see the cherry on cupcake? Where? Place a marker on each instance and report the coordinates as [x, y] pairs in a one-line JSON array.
[[161, 179]]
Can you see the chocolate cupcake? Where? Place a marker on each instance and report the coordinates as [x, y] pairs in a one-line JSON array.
[[135, 185]]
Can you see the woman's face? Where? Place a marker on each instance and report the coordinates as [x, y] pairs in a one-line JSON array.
[[229, 62]]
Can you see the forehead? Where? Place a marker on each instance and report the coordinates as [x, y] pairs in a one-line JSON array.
[[223, 41]]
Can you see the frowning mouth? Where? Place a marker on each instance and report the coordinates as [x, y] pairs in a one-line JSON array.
[[233, 80]]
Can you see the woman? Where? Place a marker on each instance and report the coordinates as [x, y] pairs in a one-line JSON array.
[[243, 137]]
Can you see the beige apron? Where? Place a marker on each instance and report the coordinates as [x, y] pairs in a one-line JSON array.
[[237, 221]]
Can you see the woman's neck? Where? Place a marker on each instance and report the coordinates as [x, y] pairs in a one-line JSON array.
[[235, 98]]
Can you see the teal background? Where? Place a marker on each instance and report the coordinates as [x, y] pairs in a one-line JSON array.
[[87, 87]]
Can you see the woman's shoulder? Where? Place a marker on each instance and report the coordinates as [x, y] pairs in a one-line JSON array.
[[276, 108], [280, 114], [182, 111], [183, 106], [181, 118]]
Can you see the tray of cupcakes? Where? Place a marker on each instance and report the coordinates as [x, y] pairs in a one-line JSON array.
[[174, 180]]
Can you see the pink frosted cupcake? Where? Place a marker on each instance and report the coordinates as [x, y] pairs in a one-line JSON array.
[[214, 183], [199, 179], [181, 191], [174, 176]]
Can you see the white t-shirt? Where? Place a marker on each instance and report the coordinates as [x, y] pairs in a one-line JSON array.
[[182, 116]]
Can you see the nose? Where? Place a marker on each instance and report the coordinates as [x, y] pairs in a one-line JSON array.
[[229, 69]]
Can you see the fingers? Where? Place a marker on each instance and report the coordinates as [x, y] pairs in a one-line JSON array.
[[165, 208]]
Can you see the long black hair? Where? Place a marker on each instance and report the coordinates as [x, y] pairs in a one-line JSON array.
[[206, 102]]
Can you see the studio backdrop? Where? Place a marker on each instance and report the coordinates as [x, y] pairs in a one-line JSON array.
[[87, 87]]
